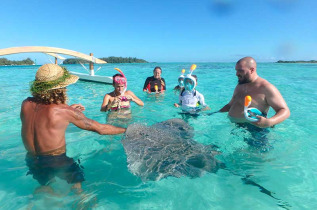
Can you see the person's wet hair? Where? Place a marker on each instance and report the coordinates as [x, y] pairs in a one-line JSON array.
[[195, 77], [55, 96], [157, 67]]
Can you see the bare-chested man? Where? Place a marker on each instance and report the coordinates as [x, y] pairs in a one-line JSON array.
[[45, 117], [264, 95]]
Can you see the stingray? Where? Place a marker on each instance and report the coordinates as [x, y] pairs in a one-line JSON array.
[[168, 149]]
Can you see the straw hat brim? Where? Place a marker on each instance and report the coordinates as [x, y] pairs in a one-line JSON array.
[[71, 80]]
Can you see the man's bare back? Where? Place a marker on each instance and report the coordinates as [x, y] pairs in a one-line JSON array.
[[264, 95], [44, 126]]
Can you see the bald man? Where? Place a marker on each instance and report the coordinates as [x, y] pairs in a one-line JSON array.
[[264, 95]]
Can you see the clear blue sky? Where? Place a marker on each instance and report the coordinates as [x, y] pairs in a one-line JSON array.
[[164, 30]]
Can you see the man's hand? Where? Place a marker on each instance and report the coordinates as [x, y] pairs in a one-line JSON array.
[[78, 107], [176, 105], [263, 122]]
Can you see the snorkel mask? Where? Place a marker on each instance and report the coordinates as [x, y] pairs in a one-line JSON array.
[[181, 79], [189, 80], [121, 80], [251, 113]]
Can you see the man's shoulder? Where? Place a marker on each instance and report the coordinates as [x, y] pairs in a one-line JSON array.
[[263, 83], [27, 103], [61, 110], [28, 100]]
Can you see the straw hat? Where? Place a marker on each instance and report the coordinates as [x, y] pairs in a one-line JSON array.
[[53, 72]]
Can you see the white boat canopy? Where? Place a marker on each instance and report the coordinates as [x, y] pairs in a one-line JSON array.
[[47, 50], [54, 51]]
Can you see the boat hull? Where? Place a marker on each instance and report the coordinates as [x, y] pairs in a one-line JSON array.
[[95, 78]]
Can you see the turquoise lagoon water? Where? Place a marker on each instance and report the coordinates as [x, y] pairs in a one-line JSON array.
[[288, 169]]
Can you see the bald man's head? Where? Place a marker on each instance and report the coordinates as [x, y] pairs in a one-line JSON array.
[[249, 62], [246, 70]]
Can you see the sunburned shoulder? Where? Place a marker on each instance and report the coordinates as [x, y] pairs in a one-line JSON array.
[[27, 104], [28, 100], [61, 109]]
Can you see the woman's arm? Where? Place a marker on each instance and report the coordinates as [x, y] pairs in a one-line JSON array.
[[135, 99], [104, 105]]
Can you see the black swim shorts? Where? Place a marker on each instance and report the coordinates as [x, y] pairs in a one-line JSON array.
[[45, 167]]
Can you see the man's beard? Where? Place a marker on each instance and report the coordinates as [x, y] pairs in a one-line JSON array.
[[243, 81]]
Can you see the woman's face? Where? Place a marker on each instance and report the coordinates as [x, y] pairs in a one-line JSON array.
[[119, 88], [157, 73]]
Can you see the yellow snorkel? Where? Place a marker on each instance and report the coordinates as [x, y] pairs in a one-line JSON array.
[[192, 68]]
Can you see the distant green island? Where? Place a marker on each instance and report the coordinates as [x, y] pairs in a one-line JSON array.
[[111, 59], [311, 61], [6, 62]]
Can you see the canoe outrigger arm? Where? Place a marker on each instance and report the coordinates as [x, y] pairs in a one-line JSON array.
[[54, 51]]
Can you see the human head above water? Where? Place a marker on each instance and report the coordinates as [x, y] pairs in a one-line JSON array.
[[246, 70], [119, 78], [189, 83], [49, 86], [119, 83], [157, 71]]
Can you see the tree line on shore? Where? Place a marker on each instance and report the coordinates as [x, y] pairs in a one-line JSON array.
[[311, 61], [111, 59], [6, 62]]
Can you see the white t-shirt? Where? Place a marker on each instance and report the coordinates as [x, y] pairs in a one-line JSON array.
[[189, 99]]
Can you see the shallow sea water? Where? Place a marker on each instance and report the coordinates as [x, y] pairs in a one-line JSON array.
[[288, 168]]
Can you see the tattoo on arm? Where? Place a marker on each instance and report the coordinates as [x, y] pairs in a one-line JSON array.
[[81, 116]]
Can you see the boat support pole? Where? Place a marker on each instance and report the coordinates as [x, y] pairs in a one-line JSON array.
[[91, 67]]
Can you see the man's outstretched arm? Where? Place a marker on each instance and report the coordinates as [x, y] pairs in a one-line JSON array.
[[80, 120], [227, 107]]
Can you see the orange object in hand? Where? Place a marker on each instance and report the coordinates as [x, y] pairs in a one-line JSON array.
[[247, 101]]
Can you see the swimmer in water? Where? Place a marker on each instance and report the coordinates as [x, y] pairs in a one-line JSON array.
[[264, 95], [120, 98], [190, 100], [156, 83], [178, 88], [45, 117]]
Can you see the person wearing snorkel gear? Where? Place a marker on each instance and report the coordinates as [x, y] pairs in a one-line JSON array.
[[178, 88], [190, 98], [120, 98], [155, 84], [264, 95]]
